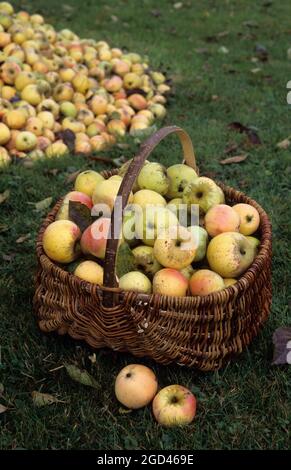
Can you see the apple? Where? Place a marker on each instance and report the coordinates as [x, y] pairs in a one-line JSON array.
[[73, 125], [98, 104], [249, 218], [121, 67], [116, 127], [106, 192], [221, 218], [169, 281], [47, 119], [63, 92], [147, 197], [255, 242], [158, 110], [34, 125], [60, 241], [175, 247], [9, 71], [56, 149], [90, 271], [130, 215], [145, 260], [150, 222], [113, 84], [5, 159], [86, 116], [200, 236], [98, 143], [204, 282], [94, 238], [4, 133], [25, 141], [154, 176], [7, 92], [77, 196], [174, 405], [135, 281], [68, 109], [179, 176], [135, 386], [229, 281], [131, 80], [51, 106], [204, 192], [31, 94], [83, 147], [137, 101], [87, 181], [230, 254], [42, 142]]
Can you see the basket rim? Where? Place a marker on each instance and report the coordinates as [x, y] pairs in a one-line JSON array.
[[242, 284]]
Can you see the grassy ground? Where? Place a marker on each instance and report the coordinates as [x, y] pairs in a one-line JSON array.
[[247, 404]]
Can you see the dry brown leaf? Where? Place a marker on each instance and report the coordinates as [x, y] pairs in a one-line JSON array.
[[23, 238], [44, 399], [234, 159], [72, 176], [3, 409]]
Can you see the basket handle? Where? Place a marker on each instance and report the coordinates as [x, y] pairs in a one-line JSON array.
[[124, 191]]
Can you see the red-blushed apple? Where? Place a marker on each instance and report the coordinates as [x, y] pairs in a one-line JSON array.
[[174, 405], [221, 218], [135, 386], [90, 271], [77, 196], [94, 238], [249, 218], [204, 282], [169, 281], [60, 241], [230, 254]]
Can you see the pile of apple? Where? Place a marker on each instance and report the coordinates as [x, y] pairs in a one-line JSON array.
[[53, 81], [137, 386], [170, 257]]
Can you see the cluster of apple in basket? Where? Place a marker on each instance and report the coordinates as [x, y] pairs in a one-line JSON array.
[[174, 253], [53, 81], [137, 386]]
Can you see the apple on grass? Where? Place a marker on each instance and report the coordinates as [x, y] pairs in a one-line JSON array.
[[170, 281], [135, 281], [60, 241], [174, 405], [77, 196], [135, 386], [230, 254], [249, 218]]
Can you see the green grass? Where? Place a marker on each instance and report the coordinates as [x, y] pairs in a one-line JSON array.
[[247, 405]]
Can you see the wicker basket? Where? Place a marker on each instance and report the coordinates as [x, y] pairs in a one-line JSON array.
[[203, 332]]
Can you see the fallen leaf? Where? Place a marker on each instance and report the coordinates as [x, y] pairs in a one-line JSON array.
[[156, 13], [23, 238], [234, 159], [4, 228], [284, 144], [43, 399], [1, 389], [4, 196], [81, 376], [92, 358], [251, 24], [178, 5], [52, 171], [8, 257], [80, 214], [68, 137], [3, 409], [42, 205], [223, 50], [282, 346], [114, 18], [256, 70], [251, 133], [124, 411], [232, 147]]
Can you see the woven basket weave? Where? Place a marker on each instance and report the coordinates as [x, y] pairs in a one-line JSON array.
[[201, 332]]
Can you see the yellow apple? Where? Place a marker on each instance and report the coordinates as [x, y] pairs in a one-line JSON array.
[[221, 218], [174, 405], [25, 141], [145, 197], [249, 218], [135, 386], [4, 133], [135, 281], [175, 247], [169, 281], [90, 271], [60, 241], [204, 282]]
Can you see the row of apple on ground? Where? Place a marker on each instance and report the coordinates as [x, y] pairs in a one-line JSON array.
[[54, 81], [174, 259]]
